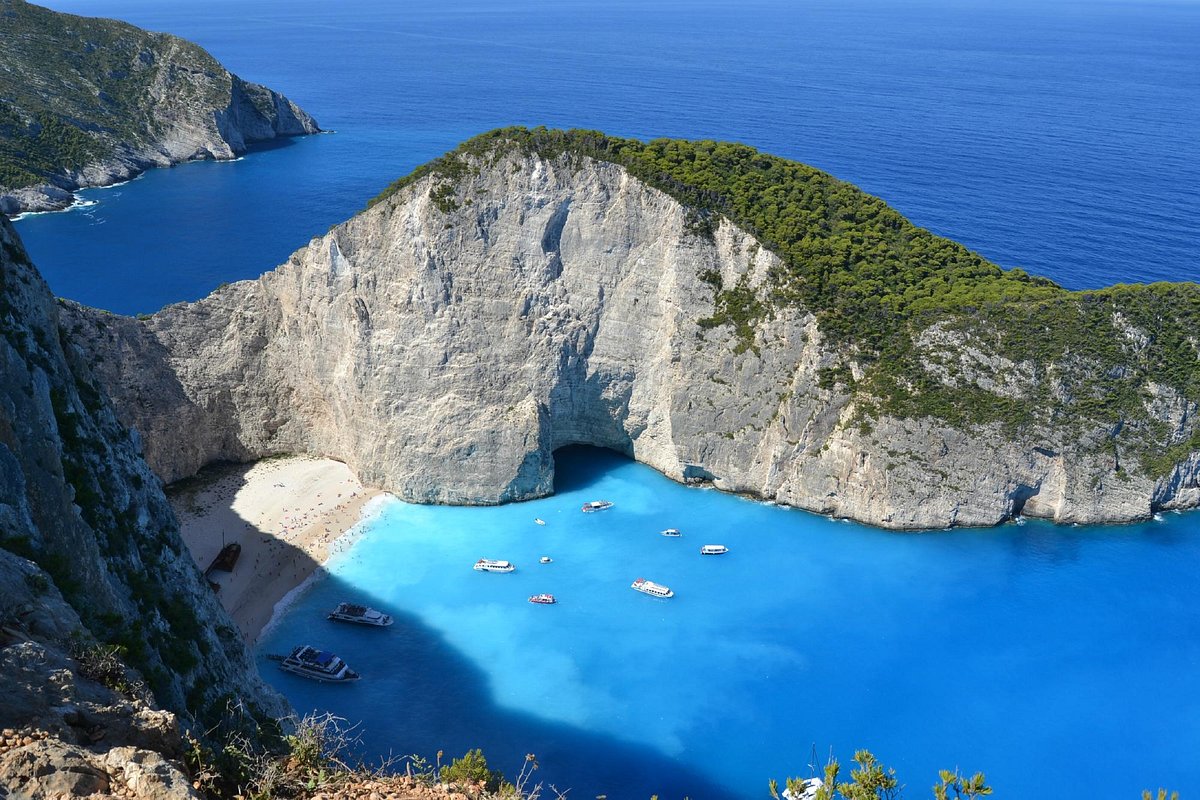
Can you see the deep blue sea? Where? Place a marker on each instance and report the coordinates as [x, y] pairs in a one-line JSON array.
[[1057, 136], [1061, 137]]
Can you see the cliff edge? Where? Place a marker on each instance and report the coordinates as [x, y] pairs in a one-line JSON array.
[[540, 289], [94, 577], [90, 102]]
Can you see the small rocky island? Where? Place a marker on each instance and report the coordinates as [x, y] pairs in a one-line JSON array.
[[91, 102]]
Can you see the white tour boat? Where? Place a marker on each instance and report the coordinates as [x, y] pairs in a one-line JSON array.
[[652, 588], [671, 532], [807, 788], [488, 565], [539, 520], [543, 599], [318, 665], [713, 550], [596, 505], [360, 615], [545, 560]]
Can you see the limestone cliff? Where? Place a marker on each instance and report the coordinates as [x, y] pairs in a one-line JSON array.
[[445, 342], [90, 102], [90, 553]]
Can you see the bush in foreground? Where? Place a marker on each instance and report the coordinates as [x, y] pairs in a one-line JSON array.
[[314, 762]]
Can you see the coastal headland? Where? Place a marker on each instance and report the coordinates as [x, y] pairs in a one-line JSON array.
[[722, 315], [94, 102], [730, 318]]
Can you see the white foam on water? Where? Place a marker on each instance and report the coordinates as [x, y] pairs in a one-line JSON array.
[[371, 511], [79, 202]]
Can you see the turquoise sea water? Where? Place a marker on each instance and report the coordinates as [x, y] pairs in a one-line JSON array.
[[1055, 135], [1028, 651], [1059, 136]]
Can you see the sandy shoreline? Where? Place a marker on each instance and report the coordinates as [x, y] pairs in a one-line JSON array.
[[285, 512]]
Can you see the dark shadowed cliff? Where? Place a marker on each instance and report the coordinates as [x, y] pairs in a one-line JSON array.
[[91, 561]]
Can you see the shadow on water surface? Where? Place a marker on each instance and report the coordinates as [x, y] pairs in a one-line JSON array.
[[278, 143], [577, 466], [1051, 543], [419, 695]]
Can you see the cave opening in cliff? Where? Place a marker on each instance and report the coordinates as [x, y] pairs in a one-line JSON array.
[[577, 466]]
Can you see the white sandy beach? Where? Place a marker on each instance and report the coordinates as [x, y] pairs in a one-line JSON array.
[[285, 512]]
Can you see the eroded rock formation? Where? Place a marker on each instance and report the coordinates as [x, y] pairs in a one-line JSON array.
[[445, 342]]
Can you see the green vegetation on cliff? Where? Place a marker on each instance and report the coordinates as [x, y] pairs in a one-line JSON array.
[[933, 329], [86, 101], [73, 88]]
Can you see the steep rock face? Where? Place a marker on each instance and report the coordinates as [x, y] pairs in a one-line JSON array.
[[77, 498], [446, 341], [90, 102]]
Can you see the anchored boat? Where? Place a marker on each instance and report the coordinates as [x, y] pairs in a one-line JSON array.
[[360, 615], [596, 505], [318, 665], [671, 532], [652, 588], [713, 550], [489, 565], [545, 560], [543, 599], [805, 789]]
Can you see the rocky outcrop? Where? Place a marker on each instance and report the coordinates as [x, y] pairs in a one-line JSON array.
[[447, 341], [64, 729], [90, 552], [92, 102]]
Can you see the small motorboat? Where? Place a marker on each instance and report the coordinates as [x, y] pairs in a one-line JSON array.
[[713, 550], [651, 588], [596, 505], [672, 532], [807, 788], [360, 615], [543, 599], [489, 565], [545, 560], [318, 665], [539, 521]]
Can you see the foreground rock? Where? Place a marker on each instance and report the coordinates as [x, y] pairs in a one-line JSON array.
[[91, 102], [74, 721], [447, 341]]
